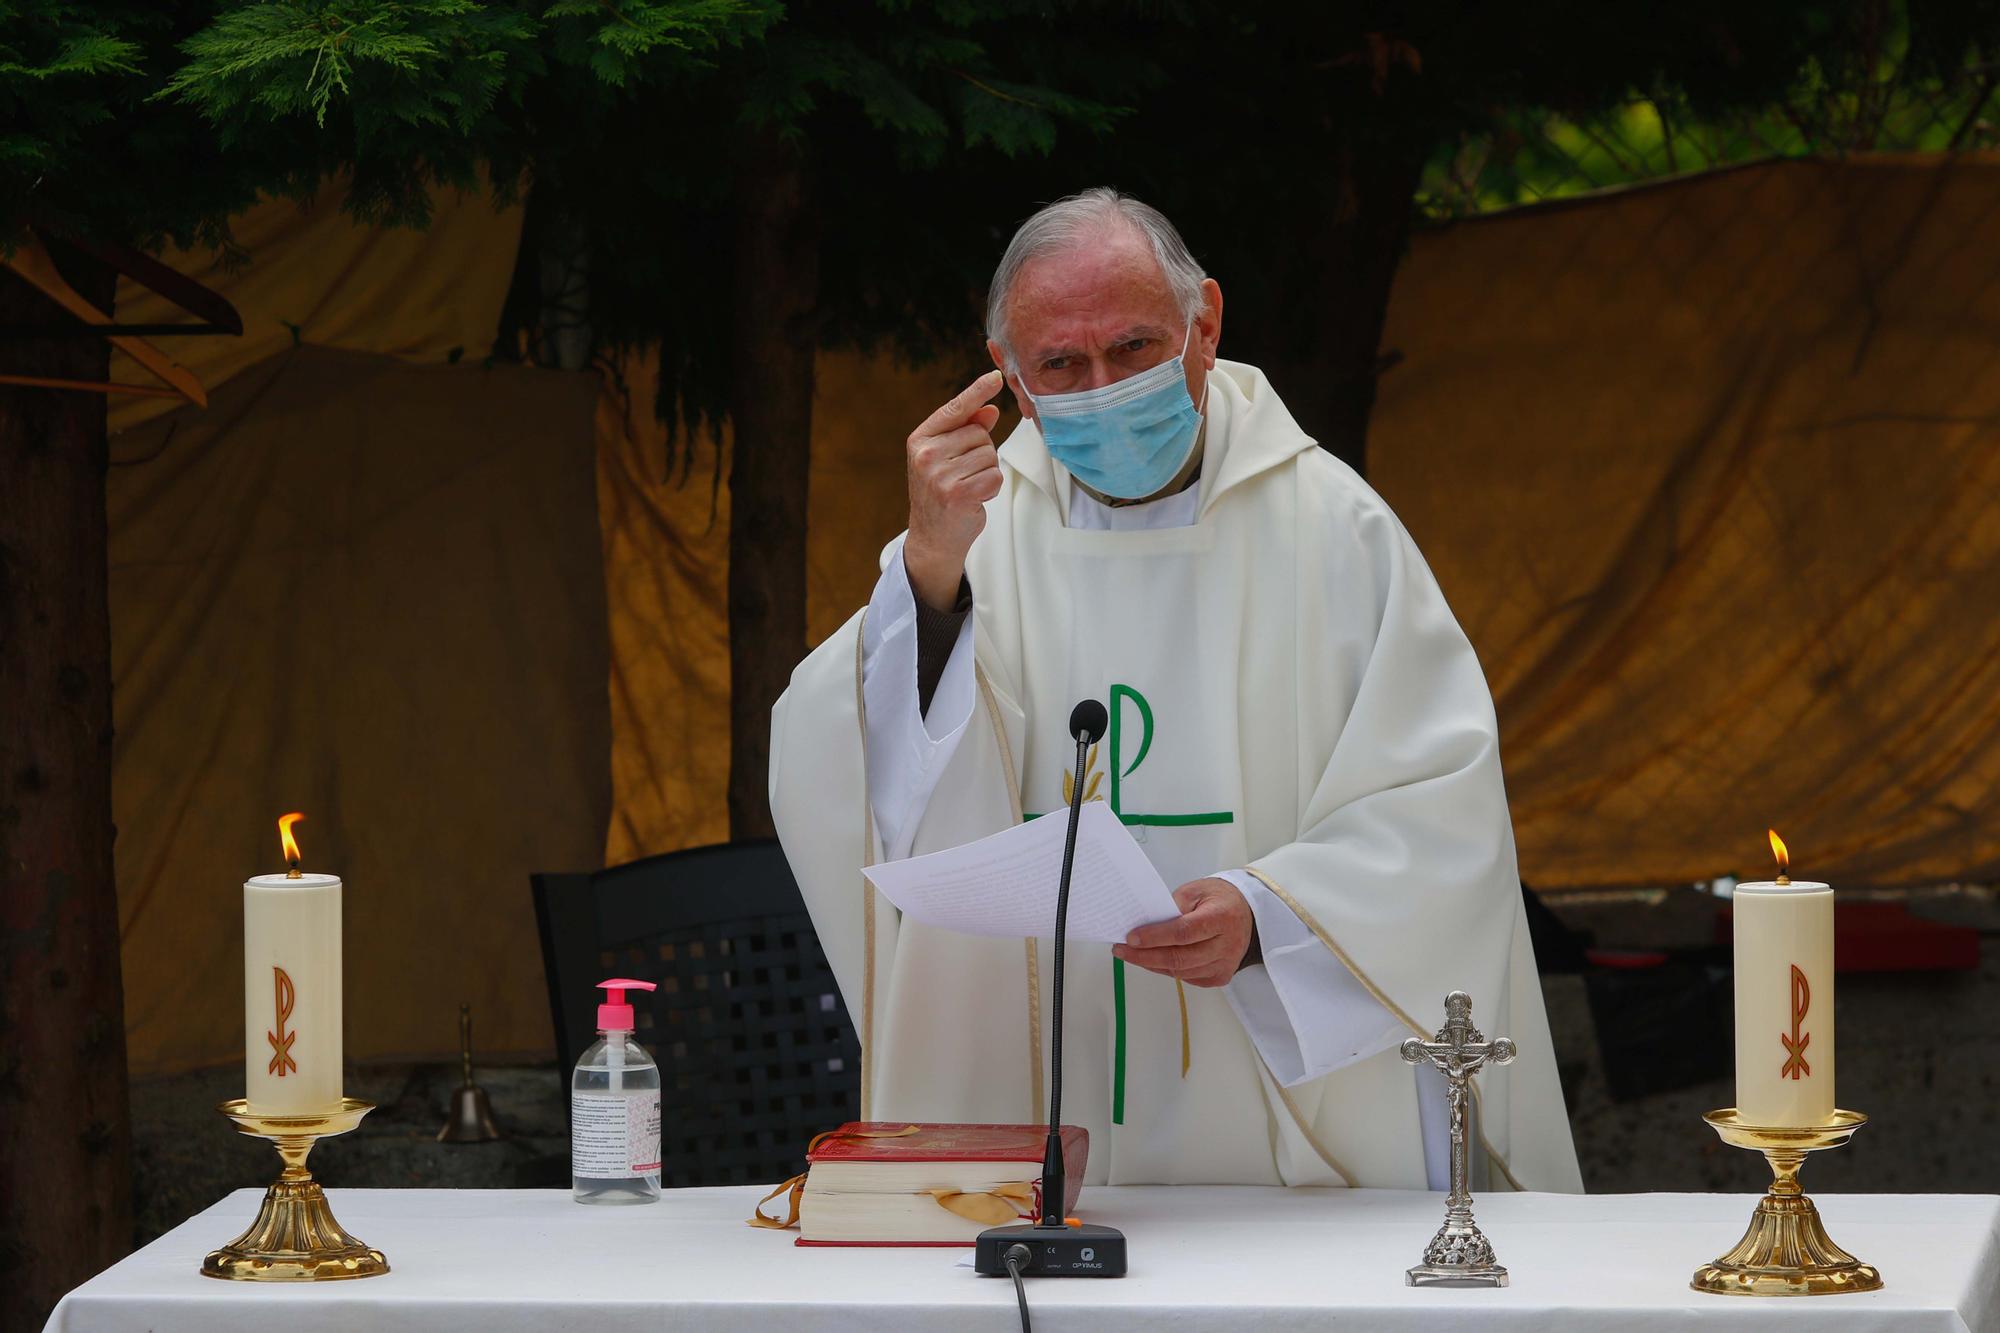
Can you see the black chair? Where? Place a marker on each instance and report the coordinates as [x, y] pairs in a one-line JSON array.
[[755, 1048]]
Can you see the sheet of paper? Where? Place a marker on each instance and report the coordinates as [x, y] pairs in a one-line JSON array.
[[1005, 885]]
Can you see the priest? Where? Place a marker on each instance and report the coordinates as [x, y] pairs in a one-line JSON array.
[[1300, 738]]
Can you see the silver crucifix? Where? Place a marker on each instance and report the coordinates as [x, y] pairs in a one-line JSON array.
[[1459, 1255]]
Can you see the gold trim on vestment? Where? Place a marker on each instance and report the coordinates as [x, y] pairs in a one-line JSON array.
[[998, 1207], [1495, 1158], [1187, 1043], [1298, 910], [1382, 998], [867, 889], [1000, 736], [1031, 947], [796, 1186]]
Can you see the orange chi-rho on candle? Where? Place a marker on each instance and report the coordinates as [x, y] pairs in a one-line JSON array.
[[291, 987], [1784, 999]]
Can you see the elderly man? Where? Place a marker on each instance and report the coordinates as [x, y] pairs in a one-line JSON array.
[[1301, 739]]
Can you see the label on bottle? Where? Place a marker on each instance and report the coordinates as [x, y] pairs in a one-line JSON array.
[[614, 1135]]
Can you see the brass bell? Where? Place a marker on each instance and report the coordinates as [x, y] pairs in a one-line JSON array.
[[471, 1118]]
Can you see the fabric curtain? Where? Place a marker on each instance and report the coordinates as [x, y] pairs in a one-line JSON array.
[[306, 274], [370, 591], [1710, 472]]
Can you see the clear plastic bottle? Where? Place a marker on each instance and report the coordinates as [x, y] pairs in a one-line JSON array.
[[614, 1110]]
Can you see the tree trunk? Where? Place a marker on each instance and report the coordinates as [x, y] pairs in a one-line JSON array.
[[65, 1131], [1329, 381], [565, 303], [1370, 232], [772, 338]]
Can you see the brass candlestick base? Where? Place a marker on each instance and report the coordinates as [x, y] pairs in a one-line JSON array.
[[1786, 1252], [295, 1237]]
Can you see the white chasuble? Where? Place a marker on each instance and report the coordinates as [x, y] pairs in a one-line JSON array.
[[1288, 694]]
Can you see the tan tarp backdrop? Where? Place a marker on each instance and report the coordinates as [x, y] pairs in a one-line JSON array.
[[1711, 474], [666, 544], [313, 277], [366, 586], [1709, 471]]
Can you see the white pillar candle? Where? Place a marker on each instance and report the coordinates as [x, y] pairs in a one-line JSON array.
[[291, 993], [1784, 1003]]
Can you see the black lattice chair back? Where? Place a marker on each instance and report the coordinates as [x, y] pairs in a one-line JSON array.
[[755, 1048]]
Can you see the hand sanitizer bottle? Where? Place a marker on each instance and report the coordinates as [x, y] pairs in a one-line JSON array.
[[614, 1110]]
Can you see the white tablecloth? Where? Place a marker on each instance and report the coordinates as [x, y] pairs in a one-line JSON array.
[[1201, 1258]]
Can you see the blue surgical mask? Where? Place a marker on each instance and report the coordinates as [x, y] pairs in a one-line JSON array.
[[1127, 440]]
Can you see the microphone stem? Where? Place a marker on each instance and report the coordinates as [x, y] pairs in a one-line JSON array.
[[1052, 1158]]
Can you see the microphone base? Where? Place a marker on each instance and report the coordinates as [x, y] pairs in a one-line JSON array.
[[1088, 1250]]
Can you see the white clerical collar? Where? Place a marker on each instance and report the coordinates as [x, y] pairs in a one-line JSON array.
[[1089, 514]]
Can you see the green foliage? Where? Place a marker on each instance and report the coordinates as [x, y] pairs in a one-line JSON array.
[[933, 82], [618, 43], [629, 118], [1262, 117], [925, 130], [413, 94], [1861, 78], [439, 64], [156, 121], [903, 116], [59, 65], [79, 148], [417, 89]]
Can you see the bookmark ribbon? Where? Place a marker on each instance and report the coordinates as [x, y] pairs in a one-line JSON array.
[[797, 1184], [995, 1207]]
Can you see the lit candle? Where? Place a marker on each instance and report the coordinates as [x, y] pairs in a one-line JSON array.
[[1784, 999], [291, 987]]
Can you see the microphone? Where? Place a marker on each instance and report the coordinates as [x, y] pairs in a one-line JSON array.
[[1087, 722], [1055, 1247]]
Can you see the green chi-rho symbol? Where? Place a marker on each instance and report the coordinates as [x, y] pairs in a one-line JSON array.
[[1120, 770]]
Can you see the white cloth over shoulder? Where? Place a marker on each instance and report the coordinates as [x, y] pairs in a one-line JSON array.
[[1290, 697]]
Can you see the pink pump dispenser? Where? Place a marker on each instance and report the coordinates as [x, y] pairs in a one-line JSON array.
[[614, 1015], [614, 1108]]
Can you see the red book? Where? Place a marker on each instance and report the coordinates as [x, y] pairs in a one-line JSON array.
[[890, 1183]]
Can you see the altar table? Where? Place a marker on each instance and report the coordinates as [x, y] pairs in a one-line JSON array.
[[1202, 1257]]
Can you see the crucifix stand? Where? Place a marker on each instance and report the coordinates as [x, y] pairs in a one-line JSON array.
[[1459, 1255]]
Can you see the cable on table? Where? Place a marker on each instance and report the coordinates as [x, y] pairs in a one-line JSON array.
[[1017, 1257]]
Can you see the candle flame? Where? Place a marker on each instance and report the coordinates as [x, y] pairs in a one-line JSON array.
[[285, 823], [1778, 850]]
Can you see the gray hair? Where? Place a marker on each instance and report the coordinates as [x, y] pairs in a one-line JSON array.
[[1067, 223]]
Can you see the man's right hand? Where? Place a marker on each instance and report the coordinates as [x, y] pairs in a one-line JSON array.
[[954, 470]]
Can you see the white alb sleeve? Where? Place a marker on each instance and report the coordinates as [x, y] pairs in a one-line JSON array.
[[1307, 1014], [907, 747]]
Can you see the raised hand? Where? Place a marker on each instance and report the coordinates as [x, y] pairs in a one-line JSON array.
[[954, 470]]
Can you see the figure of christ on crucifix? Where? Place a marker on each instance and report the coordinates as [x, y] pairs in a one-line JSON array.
[[1459, 1254]]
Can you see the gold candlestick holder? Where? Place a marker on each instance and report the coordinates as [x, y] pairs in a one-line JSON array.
[[295, 1237], [1786, 1251]]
